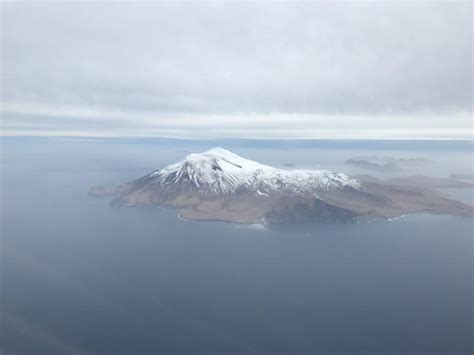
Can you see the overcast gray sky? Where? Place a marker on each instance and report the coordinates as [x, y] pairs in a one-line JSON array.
[[268, 70]]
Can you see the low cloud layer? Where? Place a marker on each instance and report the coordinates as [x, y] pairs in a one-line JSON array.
[[289, 70]]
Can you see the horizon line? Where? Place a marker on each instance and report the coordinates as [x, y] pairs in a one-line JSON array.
[[243, 138]]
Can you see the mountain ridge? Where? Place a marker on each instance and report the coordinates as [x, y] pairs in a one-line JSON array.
[[222, 171]]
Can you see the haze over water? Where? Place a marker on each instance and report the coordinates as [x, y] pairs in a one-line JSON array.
[[79, 276]]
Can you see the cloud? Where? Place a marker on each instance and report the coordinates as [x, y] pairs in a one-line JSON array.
[[242, 69]]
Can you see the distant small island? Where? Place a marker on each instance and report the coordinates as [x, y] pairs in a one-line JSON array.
[[388, 164], [364, 164], [220, 185]]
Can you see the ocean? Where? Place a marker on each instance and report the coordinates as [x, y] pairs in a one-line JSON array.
[[79, 276]]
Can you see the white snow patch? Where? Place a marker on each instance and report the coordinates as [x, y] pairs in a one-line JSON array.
[[222, 171]]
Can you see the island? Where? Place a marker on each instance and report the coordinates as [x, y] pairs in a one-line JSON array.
[[221, 185], [388, 164]]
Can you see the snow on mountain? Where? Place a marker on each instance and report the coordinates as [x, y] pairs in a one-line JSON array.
[[220, 185], [221, 171]]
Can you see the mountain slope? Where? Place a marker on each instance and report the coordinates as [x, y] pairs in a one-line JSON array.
[[221, 185], [218, 171]]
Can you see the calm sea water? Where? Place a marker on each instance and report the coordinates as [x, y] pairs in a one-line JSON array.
[[81, 277]]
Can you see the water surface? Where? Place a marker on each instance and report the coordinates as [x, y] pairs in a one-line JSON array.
[[81, 277]]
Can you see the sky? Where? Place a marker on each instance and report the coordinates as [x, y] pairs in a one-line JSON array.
[[376, 70]]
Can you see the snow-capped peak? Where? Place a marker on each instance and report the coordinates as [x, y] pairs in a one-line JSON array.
[[226, 160], [222, 153], [218, 170]]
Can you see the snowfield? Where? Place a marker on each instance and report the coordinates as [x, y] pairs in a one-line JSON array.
[[221, 171]]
